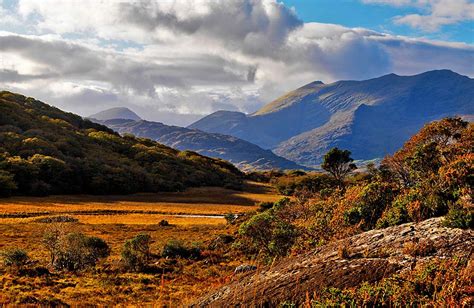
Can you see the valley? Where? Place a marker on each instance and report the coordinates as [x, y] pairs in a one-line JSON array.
[[167, 284]]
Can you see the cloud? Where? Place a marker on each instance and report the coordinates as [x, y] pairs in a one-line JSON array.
[[175, 60], [438, 12]]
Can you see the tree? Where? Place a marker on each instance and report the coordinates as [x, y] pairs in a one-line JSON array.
[[7, 184], [338, 163]]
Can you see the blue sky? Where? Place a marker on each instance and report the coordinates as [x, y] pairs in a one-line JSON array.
[[378, 17]]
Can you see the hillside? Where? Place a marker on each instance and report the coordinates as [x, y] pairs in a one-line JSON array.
[[116, 113], [370, 257], [245, 155], [370, 118], [44, 150]]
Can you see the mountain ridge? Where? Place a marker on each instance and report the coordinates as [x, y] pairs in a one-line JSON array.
[[371, 117], [245, 155]]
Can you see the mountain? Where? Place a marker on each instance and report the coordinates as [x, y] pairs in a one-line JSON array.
[[44, 150], [116, 113], [245, 155], [371, 118]]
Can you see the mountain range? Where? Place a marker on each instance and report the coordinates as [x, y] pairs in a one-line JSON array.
[[371, 118], [245, 155]]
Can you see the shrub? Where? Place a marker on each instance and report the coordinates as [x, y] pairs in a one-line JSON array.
[[163, 223], [459, 217], [266, 233], [177, 249], [136, 252], [396, 214], [15, 258], [370, 204], [230, 218], [75, 251]]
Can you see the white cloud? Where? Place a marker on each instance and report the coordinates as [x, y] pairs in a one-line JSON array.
[[175, 60], [438, 12]]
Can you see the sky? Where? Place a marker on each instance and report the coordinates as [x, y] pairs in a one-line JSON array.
[[176, 61]]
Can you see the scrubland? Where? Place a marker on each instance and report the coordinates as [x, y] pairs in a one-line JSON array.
[[167, 283]]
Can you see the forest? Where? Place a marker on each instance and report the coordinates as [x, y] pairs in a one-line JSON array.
[[44, 150]]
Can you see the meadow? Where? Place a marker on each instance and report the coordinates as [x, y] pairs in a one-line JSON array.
[[116, 219]]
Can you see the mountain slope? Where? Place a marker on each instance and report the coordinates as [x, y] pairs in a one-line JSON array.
[[116, 113], [243, 154], [44, 150], [371, 118]]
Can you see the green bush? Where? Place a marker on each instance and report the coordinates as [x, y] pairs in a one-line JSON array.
[[75, 251], [15, 258], [136, 252], [177, 249], [267, 234], [459, 217], [230, 218], [371, 203], [396, 214]]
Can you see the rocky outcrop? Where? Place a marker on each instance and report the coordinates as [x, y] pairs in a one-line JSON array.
[[369, 256]]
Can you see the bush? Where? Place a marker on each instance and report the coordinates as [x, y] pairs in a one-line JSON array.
[[267, 234], [164, 223], [15, 258], [75, 251], [177, 249], [370, 204], [136, 252], [396, 214], [230, 218], [459, 217]]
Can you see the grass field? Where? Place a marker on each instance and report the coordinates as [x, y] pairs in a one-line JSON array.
[[116, 219]]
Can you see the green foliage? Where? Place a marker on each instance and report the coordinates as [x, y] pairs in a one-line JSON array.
[[75, 251], [372, 201], [46, 151], [459, 217], [136, 252], [15, 258], [7, 184], [177, 249], [396, 214], [268, 234], [338, 163], [315, 183], [230, 218]]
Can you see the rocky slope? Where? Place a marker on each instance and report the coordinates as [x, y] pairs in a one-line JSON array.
[[371, 118], [245, 155], [369, 256]]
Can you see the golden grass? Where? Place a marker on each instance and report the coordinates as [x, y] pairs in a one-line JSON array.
[[187, 280]]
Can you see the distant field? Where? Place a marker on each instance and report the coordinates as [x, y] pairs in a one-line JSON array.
[[116, 219]]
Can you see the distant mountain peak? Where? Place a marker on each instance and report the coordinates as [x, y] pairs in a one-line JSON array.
[[116, 113]]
